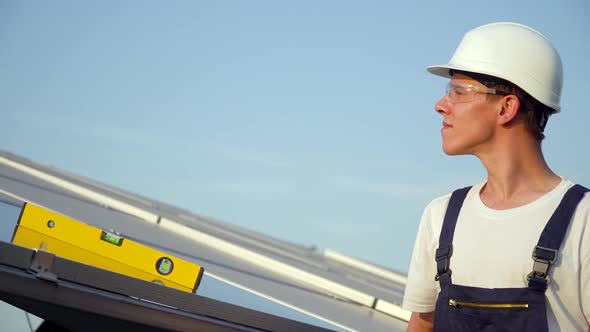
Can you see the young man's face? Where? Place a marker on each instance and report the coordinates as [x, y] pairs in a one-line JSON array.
[[469, 118]]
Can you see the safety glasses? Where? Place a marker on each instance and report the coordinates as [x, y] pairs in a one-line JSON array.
[[464, 93]]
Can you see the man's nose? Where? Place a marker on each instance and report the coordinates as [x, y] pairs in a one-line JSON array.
[[442, 106]]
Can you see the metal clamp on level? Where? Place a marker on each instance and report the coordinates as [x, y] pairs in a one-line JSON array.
[[443, 261], [41, 265]]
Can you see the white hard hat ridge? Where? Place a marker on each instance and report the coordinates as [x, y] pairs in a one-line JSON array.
[[513, 52]]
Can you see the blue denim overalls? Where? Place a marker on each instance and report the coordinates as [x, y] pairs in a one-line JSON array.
[[462, 308]]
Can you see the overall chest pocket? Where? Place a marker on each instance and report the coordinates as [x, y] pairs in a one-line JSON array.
[[491, 310], [486, 307]]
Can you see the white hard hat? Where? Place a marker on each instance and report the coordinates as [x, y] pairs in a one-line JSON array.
[[513, 52]]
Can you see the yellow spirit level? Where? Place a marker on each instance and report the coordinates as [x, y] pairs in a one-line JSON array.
[[74, 240]]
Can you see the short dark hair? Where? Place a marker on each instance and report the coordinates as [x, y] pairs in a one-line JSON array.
[[534, 112]]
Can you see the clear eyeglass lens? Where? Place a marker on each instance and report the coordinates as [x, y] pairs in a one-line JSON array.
[[459, 93]]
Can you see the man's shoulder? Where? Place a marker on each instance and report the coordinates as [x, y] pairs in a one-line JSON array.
[[584, 204], [440, 203]]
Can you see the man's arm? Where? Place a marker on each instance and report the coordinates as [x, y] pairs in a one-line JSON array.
[[421, 322]]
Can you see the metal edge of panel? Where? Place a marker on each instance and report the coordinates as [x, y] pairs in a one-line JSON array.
[[74, 307], [367, 267], [66, 272], [92, 195]]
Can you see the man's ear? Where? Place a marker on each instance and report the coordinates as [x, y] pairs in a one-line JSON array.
[[509, 109]]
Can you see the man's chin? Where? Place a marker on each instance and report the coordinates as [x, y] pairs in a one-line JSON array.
[[453, 151]]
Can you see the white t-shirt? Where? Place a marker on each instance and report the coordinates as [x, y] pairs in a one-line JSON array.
[[493, 249]]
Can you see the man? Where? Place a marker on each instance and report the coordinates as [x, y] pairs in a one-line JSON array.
[[505, 81]]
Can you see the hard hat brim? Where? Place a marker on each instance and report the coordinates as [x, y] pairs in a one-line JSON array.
[[441, 70]]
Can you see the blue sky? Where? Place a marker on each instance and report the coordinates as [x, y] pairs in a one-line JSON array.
[[310, 121]]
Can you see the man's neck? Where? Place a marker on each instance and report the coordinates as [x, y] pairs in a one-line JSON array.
[[517, 175]]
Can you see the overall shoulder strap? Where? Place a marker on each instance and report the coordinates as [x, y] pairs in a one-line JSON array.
[[545, 253], [445, 242]]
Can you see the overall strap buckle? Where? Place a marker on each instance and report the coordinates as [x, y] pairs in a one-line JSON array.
[[543, 258], [552, 236], [443, 260], [445, 240]]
